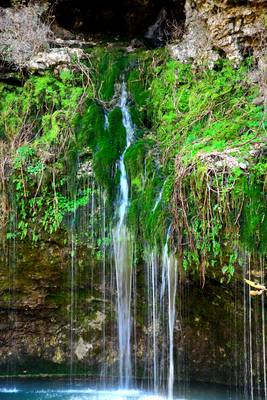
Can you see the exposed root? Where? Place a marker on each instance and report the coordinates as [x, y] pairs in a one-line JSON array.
[[203, 206]]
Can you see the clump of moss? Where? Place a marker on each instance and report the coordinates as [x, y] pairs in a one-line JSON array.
[[37, 125], [190, 124], [107, 68], [210, 115], [195, 116]]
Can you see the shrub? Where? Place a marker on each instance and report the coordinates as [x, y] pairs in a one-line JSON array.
[[22, 34]]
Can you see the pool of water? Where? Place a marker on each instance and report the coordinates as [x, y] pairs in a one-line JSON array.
[[40, 390]]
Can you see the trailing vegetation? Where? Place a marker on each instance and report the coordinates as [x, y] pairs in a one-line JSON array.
[[39, 152], [212, 153], [198, 162]]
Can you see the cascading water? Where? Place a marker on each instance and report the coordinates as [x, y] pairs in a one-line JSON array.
[[170, 266], [147, 298], [158, 201], [103, 234], [123, 253], [73, 277], [263, 331], [106, 121], [12, 269], [153, 316], [161, 315], [254, 360]]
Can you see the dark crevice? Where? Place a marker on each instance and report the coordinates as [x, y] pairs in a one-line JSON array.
[[124, 18], [5, 3]]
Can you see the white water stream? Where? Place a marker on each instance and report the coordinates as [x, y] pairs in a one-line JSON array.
[[161, 315], [123, 253], [170, 266]]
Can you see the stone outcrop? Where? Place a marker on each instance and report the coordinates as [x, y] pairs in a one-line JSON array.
[[230, 28], [35, 315], [54, 58], [36, 318], [203, 29]]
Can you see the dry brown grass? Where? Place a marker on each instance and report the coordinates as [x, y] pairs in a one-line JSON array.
[[23, 34]]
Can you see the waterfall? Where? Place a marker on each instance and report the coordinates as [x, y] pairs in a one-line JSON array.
[[263, 330], [103, 200], [153, 316], [170, 268], [254, 361], [106, 121], [161, 301], [73, 277], [250, 338], [158, 200], [123, 253], [12, 275]]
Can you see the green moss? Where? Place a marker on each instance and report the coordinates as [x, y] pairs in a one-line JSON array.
[[253, 229], [203, 111], [108, 68], [107, 144], [136, 155], [180, 115], [40, 116]]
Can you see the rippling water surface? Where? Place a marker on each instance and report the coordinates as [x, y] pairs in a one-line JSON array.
[[40, 390]]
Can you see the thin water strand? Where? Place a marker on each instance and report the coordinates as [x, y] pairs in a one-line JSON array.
[[72, 294], [158, 200], [170, 263], [123, 254], [263, 332]]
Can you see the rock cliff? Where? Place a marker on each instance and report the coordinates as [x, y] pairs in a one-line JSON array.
[[56, 311], [232, 29]]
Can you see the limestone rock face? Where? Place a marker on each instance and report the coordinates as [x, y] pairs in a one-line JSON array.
[[204, 29], [40, 333], [82, 349], [54, 58], [233, 28]]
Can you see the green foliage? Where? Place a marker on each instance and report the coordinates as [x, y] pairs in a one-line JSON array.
[[206, 111], [41, 206], [186, 121], [108, 68], [253, 222], [193, 113], [229, 270], [37, 123], [107, 144], [136, 155], [148, 221]]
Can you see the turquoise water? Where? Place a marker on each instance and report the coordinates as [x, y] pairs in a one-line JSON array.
[[37, 390]]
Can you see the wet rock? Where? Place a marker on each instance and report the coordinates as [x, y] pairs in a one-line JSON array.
[[82, 349], [135, 44], [155, 32], [58, 356], [85, 169], [4, 327], [219, 161], [72, 43], [97, 322]]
